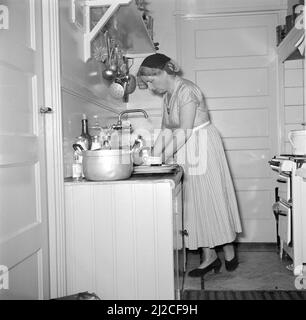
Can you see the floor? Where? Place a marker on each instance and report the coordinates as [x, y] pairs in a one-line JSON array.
[[260, 268]]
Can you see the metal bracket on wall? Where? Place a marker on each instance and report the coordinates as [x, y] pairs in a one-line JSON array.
[[80, 15]]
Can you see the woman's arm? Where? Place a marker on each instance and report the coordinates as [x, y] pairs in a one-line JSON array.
[[183, 133], [164, 137]]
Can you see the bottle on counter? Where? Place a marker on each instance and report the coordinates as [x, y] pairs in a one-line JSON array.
[[77, 168], [96, 144], [85, 133], [96, 129]]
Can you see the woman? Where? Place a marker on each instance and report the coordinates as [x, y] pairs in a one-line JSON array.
[[210, 207]]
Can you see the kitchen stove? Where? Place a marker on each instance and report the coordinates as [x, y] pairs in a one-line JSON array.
[[286, 162], [290, 207]]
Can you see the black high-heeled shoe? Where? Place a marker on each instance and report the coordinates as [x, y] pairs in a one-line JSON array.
[[232, 264], [199, 272]]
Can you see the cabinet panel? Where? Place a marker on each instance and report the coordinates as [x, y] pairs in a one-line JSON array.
[[179, 252], [120, 240]]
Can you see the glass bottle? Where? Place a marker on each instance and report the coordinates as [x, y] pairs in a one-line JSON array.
[[96, 144], [85, 133], [77, 168]]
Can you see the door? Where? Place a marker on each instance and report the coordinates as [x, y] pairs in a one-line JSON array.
[[232, 58], [23, 203]]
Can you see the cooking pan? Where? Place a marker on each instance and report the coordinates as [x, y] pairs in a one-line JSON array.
[[105, 165]]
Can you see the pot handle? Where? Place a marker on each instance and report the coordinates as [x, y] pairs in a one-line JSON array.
[[77, 147]]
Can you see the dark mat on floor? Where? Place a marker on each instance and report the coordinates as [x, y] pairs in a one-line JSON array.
[[244, 295]]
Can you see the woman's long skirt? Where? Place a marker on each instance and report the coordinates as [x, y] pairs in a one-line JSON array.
[[211, 215]]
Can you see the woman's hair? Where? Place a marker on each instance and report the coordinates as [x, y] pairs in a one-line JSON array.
[[153, 65]]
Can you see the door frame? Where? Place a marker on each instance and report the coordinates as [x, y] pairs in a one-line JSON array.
[[54, 148]]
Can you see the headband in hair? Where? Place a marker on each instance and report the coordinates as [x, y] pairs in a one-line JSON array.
[[156, 60]]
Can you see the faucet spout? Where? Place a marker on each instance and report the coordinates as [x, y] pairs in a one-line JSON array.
[[132, 111]]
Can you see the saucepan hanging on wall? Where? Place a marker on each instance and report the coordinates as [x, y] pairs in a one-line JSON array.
[[124, 83], [116, 66], [117, 88], [123, 86]]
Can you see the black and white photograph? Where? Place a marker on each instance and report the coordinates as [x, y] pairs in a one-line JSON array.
[[152, 151]]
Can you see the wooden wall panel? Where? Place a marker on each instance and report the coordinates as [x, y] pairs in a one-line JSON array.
[[246, 164], [241, 123], [220, 84], [231, 42]]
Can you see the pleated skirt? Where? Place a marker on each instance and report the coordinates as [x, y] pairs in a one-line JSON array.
[[211, 215]]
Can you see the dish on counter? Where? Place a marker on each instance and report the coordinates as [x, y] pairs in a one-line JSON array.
[[164, 168], [152, 160]]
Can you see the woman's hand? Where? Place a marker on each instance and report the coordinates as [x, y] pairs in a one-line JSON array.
[[140, 155], [163, 139]]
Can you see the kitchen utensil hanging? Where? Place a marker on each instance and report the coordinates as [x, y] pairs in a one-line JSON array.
[[108, 73], [131, 84], [129, 78], [117, 88], [124, 83]]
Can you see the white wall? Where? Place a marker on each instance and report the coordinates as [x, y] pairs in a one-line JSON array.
[[83, 88]]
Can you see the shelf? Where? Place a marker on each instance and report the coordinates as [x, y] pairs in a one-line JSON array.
[[287, 49], [129, 27]]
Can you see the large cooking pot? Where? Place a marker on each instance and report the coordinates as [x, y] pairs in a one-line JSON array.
[[297, 139], [99, 165]]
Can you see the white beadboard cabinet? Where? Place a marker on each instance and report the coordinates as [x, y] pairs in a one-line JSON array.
[[124, 239]]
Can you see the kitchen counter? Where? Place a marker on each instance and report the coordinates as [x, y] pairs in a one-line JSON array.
[[136, 223], [174, 178]]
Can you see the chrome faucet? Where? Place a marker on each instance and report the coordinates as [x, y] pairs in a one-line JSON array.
[[118, 125]]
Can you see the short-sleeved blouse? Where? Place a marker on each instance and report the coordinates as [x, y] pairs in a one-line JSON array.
[[184, 92]]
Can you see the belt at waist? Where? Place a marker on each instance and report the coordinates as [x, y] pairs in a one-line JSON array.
[[201, 126]]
